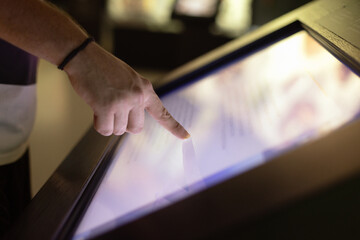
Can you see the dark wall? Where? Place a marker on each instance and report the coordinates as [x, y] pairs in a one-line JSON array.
[[87, 13], [267, 10], [166, 50]]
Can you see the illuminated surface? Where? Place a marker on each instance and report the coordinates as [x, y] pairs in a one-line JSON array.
[[147, 11], [199, 8], [239, 117], [233, 16]]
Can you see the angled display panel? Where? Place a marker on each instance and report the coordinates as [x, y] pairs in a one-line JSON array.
[[240, 116]]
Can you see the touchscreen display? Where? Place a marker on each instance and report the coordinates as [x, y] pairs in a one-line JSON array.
[[239, 116]]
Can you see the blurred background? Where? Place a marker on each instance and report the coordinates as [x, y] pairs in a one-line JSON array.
[[167, 33], [154, 37]]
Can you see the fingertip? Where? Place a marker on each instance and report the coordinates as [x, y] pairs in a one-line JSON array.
[[182, 134], [187, 136], [134, 130], [119, 132]]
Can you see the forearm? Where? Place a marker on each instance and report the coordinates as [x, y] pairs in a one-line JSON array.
[[39, 28], [116, 93]]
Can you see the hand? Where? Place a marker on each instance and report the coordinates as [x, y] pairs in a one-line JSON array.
[[117, 94]]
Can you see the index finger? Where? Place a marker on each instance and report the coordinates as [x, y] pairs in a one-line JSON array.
[[157, 110]]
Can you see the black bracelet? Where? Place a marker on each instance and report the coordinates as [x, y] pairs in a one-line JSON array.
[[74, 52]]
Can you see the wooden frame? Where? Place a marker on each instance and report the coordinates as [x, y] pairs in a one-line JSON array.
[[322, 177]]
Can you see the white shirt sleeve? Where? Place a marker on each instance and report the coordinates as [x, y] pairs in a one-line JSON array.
[[17, 115]]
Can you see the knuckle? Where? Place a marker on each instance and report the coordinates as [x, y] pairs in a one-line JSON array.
[[119, 132], [147, 84], [135, 130], [104, 132], [164, 114], [138, 94], [104, 104], [177, 125], [111, 104], [103, 129]]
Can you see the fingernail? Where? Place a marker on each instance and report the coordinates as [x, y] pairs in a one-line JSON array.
[[187, 136]]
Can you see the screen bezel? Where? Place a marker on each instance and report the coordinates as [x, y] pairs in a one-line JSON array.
[[193, 76]]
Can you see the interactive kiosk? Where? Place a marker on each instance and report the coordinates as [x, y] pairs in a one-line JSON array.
[[274, 152]]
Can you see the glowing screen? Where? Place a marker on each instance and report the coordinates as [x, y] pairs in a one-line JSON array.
[[239, 116], [200, 8]]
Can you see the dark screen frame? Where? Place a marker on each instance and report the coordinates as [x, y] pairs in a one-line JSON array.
[[191, 204]]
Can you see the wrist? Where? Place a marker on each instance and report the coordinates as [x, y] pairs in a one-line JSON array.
[[81, 61], [74, 52]]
